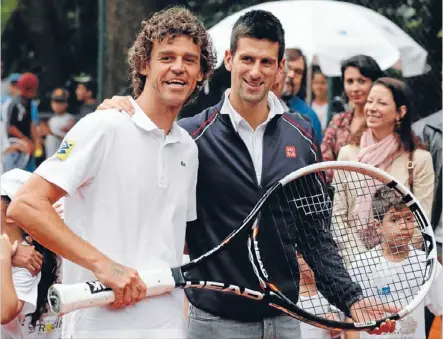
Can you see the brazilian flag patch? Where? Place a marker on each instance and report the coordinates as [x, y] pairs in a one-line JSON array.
[[65, 148]]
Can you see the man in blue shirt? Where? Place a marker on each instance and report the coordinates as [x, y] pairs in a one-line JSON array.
[[297, 70]]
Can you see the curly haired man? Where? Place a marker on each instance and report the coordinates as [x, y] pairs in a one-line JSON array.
[[130, 185]]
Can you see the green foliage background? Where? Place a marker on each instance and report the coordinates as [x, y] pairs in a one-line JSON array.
[[58, 39]]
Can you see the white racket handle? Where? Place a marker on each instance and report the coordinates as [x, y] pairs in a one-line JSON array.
[[64, 298]]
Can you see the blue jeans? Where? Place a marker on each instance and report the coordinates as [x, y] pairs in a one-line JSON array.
[[205, 325], [15, 160]]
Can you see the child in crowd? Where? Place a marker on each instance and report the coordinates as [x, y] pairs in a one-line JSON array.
[[60, 123], [24, 297], [396, 276]]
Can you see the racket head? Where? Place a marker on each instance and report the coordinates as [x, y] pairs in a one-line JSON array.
[[355, 184]]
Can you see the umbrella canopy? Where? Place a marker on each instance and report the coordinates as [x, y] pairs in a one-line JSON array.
[[333, 31]]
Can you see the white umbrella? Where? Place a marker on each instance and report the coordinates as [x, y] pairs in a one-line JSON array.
[[333, 31]]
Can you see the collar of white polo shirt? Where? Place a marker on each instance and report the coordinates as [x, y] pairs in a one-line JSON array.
[[144, 122]]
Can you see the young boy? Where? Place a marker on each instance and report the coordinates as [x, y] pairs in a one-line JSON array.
[[398, 271], [60, 123]]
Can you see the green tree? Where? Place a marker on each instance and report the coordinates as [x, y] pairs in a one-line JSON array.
[[8, 7]]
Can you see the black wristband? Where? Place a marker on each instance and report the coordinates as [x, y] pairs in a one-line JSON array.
[[351, 302]]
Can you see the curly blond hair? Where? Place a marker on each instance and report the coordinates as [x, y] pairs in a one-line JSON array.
[[168, 24]]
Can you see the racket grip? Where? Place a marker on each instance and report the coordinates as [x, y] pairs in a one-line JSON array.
[[64, 298], [158, 282]]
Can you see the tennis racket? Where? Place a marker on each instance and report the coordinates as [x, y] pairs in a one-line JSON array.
[[342, 226]]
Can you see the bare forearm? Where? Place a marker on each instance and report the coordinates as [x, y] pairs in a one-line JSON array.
[[37, 217], [9, 296]]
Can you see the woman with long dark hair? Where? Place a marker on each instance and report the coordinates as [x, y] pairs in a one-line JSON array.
[[387, 142], [358, 75], [23, 295]]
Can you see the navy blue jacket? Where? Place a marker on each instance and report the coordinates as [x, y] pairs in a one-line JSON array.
[[227, 190]]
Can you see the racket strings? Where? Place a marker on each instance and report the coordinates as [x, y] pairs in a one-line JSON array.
[[372, 229]]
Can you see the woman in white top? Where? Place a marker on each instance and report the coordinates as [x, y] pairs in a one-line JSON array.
[[320, 91], [22, 294]]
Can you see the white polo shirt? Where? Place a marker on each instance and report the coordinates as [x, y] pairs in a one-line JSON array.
[[131, 191], [252, 139]]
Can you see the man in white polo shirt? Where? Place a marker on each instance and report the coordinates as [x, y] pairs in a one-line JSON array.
[[130, 186]]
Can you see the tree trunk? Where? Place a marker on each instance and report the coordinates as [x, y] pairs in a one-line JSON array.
[[37, 14], [123, 21]]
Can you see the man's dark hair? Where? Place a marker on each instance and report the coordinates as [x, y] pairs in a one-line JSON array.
[[90, 85], [258, 24], [292, 54], [6, 199], [367, 66]]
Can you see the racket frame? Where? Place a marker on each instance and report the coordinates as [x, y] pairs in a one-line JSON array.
[[177, 277]]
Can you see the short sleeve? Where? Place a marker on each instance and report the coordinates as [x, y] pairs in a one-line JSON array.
[[79, 156], [26, 287], [191, 214]]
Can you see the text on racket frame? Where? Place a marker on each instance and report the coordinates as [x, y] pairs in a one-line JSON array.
[[216, 286]]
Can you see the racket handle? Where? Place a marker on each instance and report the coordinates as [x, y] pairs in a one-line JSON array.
[[64, 298]]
